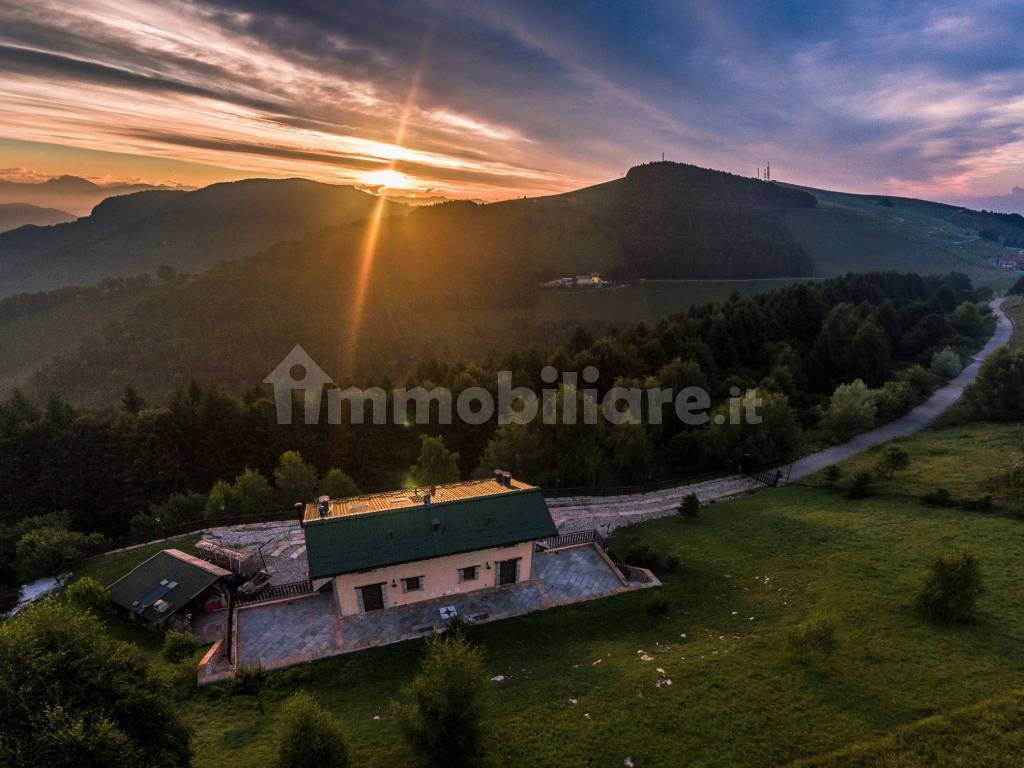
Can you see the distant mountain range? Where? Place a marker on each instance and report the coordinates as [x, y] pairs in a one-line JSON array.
[[14, 215], [1011, 203], [456, 279], [137, 233], [68, 193]]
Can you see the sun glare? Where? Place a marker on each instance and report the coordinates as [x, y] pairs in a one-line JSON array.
[[387, 178]]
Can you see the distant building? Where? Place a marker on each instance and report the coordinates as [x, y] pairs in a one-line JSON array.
[[593, 279], [389, 549]]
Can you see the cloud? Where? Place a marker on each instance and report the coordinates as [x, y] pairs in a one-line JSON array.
[[499, 99]]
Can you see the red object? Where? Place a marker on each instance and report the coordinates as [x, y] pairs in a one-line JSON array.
[[212, 606]]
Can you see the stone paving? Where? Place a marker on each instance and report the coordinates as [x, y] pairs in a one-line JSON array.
[[294, 631], [282, 542], [278, 634]]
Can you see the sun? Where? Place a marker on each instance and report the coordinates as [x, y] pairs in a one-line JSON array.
[[389, 178]]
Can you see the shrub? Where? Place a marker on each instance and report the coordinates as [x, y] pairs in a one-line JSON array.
[[892, 460], [980, 504], [310, 736], [689, 507], [179, 646], [89, 595], [641, 555], [439, 713], [832, 475], [658, 606], [851, 411], [50, 551], [946, 364], [670, 563], [951, 590], [940, 497], [250, 680], [860, 486], [815, 637]]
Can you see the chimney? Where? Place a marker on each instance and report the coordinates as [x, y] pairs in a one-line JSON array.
[[300, 511], [499, 477], [324, 506], [426, 499]]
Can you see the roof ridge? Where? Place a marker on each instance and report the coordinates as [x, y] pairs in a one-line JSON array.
[[412, 507]]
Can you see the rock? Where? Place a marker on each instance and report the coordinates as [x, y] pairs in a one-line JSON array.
[[498, 679]]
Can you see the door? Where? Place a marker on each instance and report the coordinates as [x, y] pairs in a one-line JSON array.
[[373, 597], [507, 572]]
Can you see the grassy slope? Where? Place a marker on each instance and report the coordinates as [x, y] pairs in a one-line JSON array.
[[854, 233], [737, 698], [988, 734]]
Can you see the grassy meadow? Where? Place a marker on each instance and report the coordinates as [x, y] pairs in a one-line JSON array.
[[753, 568]]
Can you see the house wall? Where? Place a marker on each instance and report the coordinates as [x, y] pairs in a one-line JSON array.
[[440, 577]]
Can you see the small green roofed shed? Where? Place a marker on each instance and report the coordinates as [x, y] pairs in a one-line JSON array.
[[164, 584], [475, 516]]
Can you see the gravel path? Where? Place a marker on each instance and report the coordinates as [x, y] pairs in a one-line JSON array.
[[606, 513]]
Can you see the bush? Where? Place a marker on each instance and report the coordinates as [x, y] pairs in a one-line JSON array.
[[815, 637], [892, 460], [860, 486], [940, 497], [689, 507], [309, 736], [980, 504], [851, 411], [951, 590], [50, 551], [644, 556], [71, 696], [946, 364], [87, 594], [439, 713], [658, 606], [179, 646], [832, 475], [250, 679]]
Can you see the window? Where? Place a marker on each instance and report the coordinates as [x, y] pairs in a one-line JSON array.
[[472, 573], [412, 584]]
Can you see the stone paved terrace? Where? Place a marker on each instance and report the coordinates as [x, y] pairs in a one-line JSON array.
[[290, 632]]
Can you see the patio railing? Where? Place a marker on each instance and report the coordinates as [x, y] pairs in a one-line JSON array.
[[293, 589], [572, 539]]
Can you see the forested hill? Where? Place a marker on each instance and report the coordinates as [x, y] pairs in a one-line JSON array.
[[132, 234], [662, 220]]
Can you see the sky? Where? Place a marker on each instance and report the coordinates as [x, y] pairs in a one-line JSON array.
[[492, 100]]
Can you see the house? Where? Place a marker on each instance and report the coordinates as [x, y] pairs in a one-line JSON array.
[[390, 549], [168, 583], [593, 279]]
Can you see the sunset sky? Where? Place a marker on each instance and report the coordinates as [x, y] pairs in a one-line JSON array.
[[491, 100]]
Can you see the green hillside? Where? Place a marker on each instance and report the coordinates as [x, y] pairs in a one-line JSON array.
[[860, 233]]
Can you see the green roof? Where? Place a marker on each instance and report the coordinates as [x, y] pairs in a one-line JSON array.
[[363, 541], [186, 577]]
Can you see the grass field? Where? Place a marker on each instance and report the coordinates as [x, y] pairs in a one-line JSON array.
[[989, 734], [969, 460], [753, 568]]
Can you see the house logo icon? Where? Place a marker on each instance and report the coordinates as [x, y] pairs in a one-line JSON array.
[[298, 371]]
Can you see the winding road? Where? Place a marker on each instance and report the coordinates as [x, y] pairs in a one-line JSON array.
[[606, 513]]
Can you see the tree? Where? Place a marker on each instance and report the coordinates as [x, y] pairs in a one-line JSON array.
[[951, 590], [310, 736], [70, 696], [892, 460], [832, 475], [946, 363], [338, 485], [253, 493], [998, 393], [750, 444], [131, 401], [439, 713], [50, 551], [436, 464], [851, 411], [296, 479], [689, 507]]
